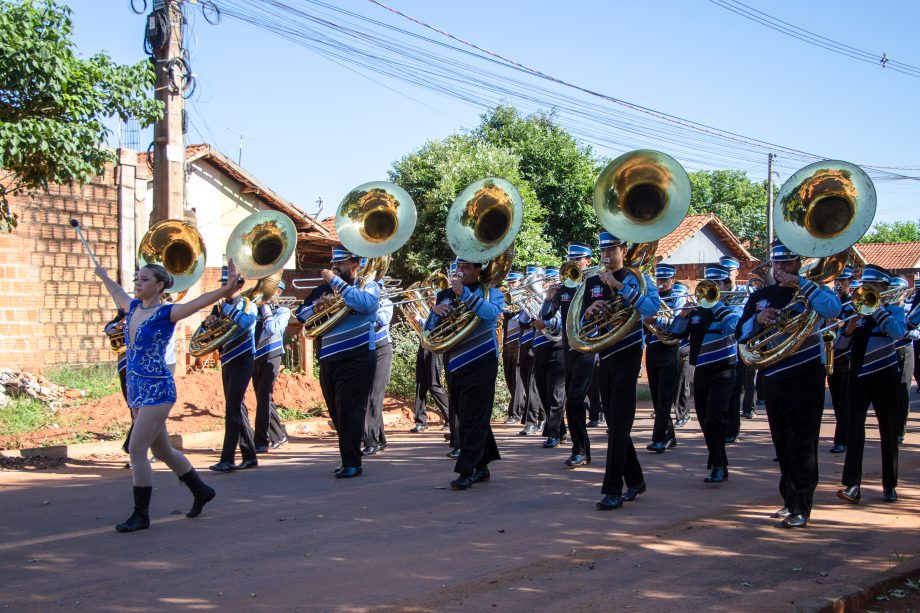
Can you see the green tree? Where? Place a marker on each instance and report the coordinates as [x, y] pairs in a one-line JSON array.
[[560, 170], [435, 175], [740, 203], [53, 103], [895, 232]]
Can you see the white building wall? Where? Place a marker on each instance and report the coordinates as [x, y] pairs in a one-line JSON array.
[[701, 248]]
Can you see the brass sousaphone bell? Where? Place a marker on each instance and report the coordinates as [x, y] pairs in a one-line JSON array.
[[824, 209], [259, 246], [482, 224], [373, 220], [639, 197]]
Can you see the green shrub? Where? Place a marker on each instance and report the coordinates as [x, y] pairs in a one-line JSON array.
[[405, 348], [24, 414], [99, 380]]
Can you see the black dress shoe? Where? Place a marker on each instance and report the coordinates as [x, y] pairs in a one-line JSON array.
[[481, 475], [446, 436], [463, 482], [247, 464], [748, 414], [262, 449], [634, 491], [223, 467], [657, 447], [277, 444], [348, 472], [609, 503], [577, 459], [453, 454], [890, 495], [418, 429], [795, 521], [718, 475], [733, 438], [781, 513], [593, 423], [551, 443], [850, 494], [838, 449], [370, 450]]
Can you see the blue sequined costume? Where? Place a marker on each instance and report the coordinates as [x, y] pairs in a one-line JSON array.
[[150, 382]]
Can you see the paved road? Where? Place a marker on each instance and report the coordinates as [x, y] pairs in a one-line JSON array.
[[288, 537]]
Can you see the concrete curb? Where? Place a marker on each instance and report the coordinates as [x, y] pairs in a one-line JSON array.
[[861, 595]]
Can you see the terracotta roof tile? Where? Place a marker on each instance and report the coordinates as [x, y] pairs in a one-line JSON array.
[[892, 256], [692, 224]]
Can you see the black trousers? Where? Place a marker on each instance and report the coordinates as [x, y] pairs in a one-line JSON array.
[[428, 379], [595, 404], [837, 383], [346, 386], [712, 393], [880, 390], [579, 373], [905, 368], [236, 376], [733, 428], [374, 434], [512, 372], [917, 364], [269, 428], [684, 384], [663, 364], [533, 407], [549, 379], [794, 408], [472, 393], [618, 376], [750, 389]]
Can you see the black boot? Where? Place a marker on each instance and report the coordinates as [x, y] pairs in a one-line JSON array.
[[140, 519], [202, 491]]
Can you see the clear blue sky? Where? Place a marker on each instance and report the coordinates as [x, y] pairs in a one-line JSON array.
[[320, 129]]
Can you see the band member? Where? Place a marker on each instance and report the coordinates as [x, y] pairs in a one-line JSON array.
[[472, 367], [533, 406], [579, 367], [619, 369], [428, 366], [596, 417], [549, 367], [347, 356], [713, 353], [269, 334], [905, 349], [837, 381], [914, 304], [375, 439], [681, 407], [794, 385], [510, 350], [873, 380], [744, 377], [237, 364], [150, 385], [663, 362]]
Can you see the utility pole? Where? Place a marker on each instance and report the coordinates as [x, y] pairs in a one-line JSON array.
[[770, 158], [164, 32]]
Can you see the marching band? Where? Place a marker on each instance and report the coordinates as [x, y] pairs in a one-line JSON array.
[[565, 334]]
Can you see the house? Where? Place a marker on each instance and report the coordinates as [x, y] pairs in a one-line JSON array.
[[701, 240], [897, 258]]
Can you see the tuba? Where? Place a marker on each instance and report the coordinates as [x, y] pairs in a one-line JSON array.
[[373, 220], [178, 247], [639, 197], [259, 246], [481, 226], [824, 208]]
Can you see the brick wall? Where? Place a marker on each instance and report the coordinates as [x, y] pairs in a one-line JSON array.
[[52, 307]]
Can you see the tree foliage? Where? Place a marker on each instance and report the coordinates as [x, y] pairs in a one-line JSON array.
[[554, 175], [53, 103], [896, 232], [740, 203]]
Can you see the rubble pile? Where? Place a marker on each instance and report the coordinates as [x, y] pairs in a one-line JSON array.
[[16, 383]]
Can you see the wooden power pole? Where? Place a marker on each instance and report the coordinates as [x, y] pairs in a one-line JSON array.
[[168, 136]]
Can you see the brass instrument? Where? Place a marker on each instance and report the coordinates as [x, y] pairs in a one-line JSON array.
[[531, 300], [259, 246], [572, 276], [664, 310], [373, 220], [824, 208], [117, 338], [481, 226], [639, 197], [416, 307]]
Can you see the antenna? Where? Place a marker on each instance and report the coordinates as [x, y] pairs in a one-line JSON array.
[[239, 157]]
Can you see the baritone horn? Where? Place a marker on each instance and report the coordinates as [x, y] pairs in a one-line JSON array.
[[824, 209], [259, 246], [373, 220], [482, 224], [639, 197]]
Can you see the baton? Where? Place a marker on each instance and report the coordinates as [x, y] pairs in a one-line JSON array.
[[76, 226]]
